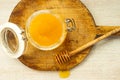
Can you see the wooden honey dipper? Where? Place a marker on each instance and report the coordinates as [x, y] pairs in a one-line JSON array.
[[65, 56]]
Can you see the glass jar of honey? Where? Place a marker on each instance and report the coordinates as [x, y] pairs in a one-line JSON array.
[[44, 29]]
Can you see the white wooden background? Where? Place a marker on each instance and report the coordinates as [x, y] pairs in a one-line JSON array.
[[103, 63]]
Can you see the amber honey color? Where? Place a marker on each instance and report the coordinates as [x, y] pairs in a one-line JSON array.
[[45, 29], [64, 74]]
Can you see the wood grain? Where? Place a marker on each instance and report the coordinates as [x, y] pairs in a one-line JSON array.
[[101, 30], [85, 32]]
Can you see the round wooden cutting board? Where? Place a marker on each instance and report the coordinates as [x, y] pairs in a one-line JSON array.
[[85, 32]]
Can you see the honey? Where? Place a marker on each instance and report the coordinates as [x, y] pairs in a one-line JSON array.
[[45, 29], [64, 74]]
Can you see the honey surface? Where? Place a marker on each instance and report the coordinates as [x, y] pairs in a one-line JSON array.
[[45, 29]]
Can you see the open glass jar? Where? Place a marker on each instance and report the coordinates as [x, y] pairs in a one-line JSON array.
[[44, 30]]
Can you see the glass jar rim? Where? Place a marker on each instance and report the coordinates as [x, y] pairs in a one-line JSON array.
[[53, 46]]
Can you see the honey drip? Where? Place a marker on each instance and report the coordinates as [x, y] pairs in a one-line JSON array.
[[64, 74]]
